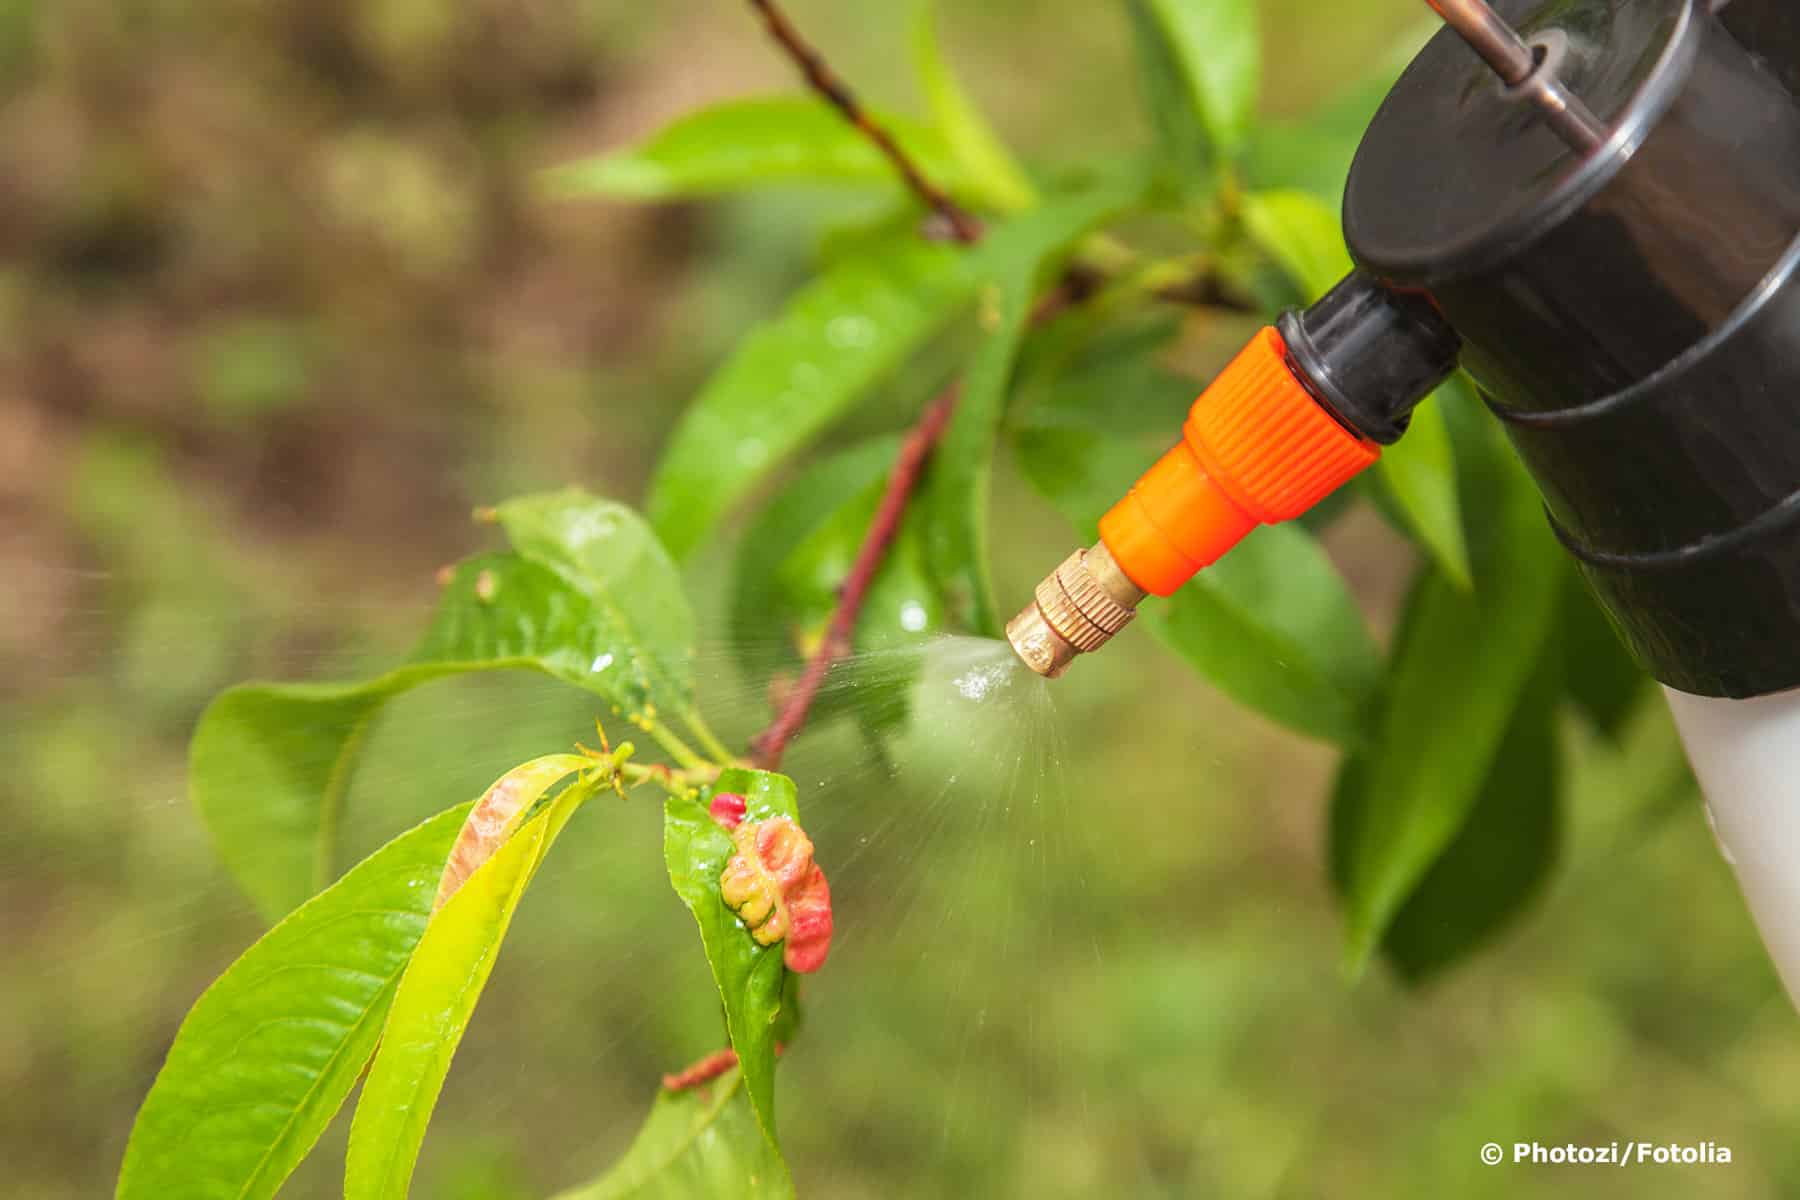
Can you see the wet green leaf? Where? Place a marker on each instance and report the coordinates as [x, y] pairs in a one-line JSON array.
[[1419, 471], [1501, 859], [701, 1142], [1461, 662], [956, 501], [270, 764], [993, 175], [1273, 626], [269, 1052], [791, 565], [753, 143], [750, 977], [432, 1006], [1218, 52], [796, 374], [606, 552]]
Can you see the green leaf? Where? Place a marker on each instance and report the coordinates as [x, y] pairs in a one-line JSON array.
[[956, 500], [1419, 472], [1104, 413], [1107, 378], [270, 764], [1272, 625], [606, 552], [1501, 859], [793, 376], [433, 1005], [1184, 148], [1216, 47], [1080, 471], [989, 167], [792, 563], [744, 144], [1315, 153], [700, 1142], [1460, 665], [1604, 682], [1301, 234], [269, 1052], [750, 977]]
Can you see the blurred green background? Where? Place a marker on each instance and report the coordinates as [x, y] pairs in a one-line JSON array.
[[278, 307]]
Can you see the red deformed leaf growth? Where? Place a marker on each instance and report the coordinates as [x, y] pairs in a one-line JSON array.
[[774, 886]]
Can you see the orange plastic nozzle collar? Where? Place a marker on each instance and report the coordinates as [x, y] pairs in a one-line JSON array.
[[1256, 449]]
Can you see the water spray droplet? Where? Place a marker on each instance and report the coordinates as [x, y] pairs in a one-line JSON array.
[[978, 683]]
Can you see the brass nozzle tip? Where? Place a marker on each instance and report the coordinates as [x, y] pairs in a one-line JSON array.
[[1077, 609], [1040, 647]]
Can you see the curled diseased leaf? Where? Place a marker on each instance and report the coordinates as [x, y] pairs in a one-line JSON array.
[[753, 983], [774, 886], [436, 999], [500, 811], [727, 808]]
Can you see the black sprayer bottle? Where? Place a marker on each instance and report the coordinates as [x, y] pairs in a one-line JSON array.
[[1594, 207]]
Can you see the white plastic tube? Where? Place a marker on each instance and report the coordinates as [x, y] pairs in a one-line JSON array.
[[1746, 754]]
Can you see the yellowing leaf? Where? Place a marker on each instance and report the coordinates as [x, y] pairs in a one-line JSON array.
[[432, 1007], [499, 812]]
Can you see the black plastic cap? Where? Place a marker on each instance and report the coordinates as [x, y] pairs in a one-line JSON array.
[[1370, 354]]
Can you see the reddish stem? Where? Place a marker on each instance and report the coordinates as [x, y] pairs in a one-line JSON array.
[[704, 1071], [707, 1069], [767, 747], [958, 221]]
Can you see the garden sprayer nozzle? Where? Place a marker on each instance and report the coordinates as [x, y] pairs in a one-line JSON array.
[[1078, 607], [1257, 448]]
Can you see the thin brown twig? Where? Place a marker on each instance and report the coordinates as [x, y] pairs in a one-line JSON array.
[[960, 224]]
